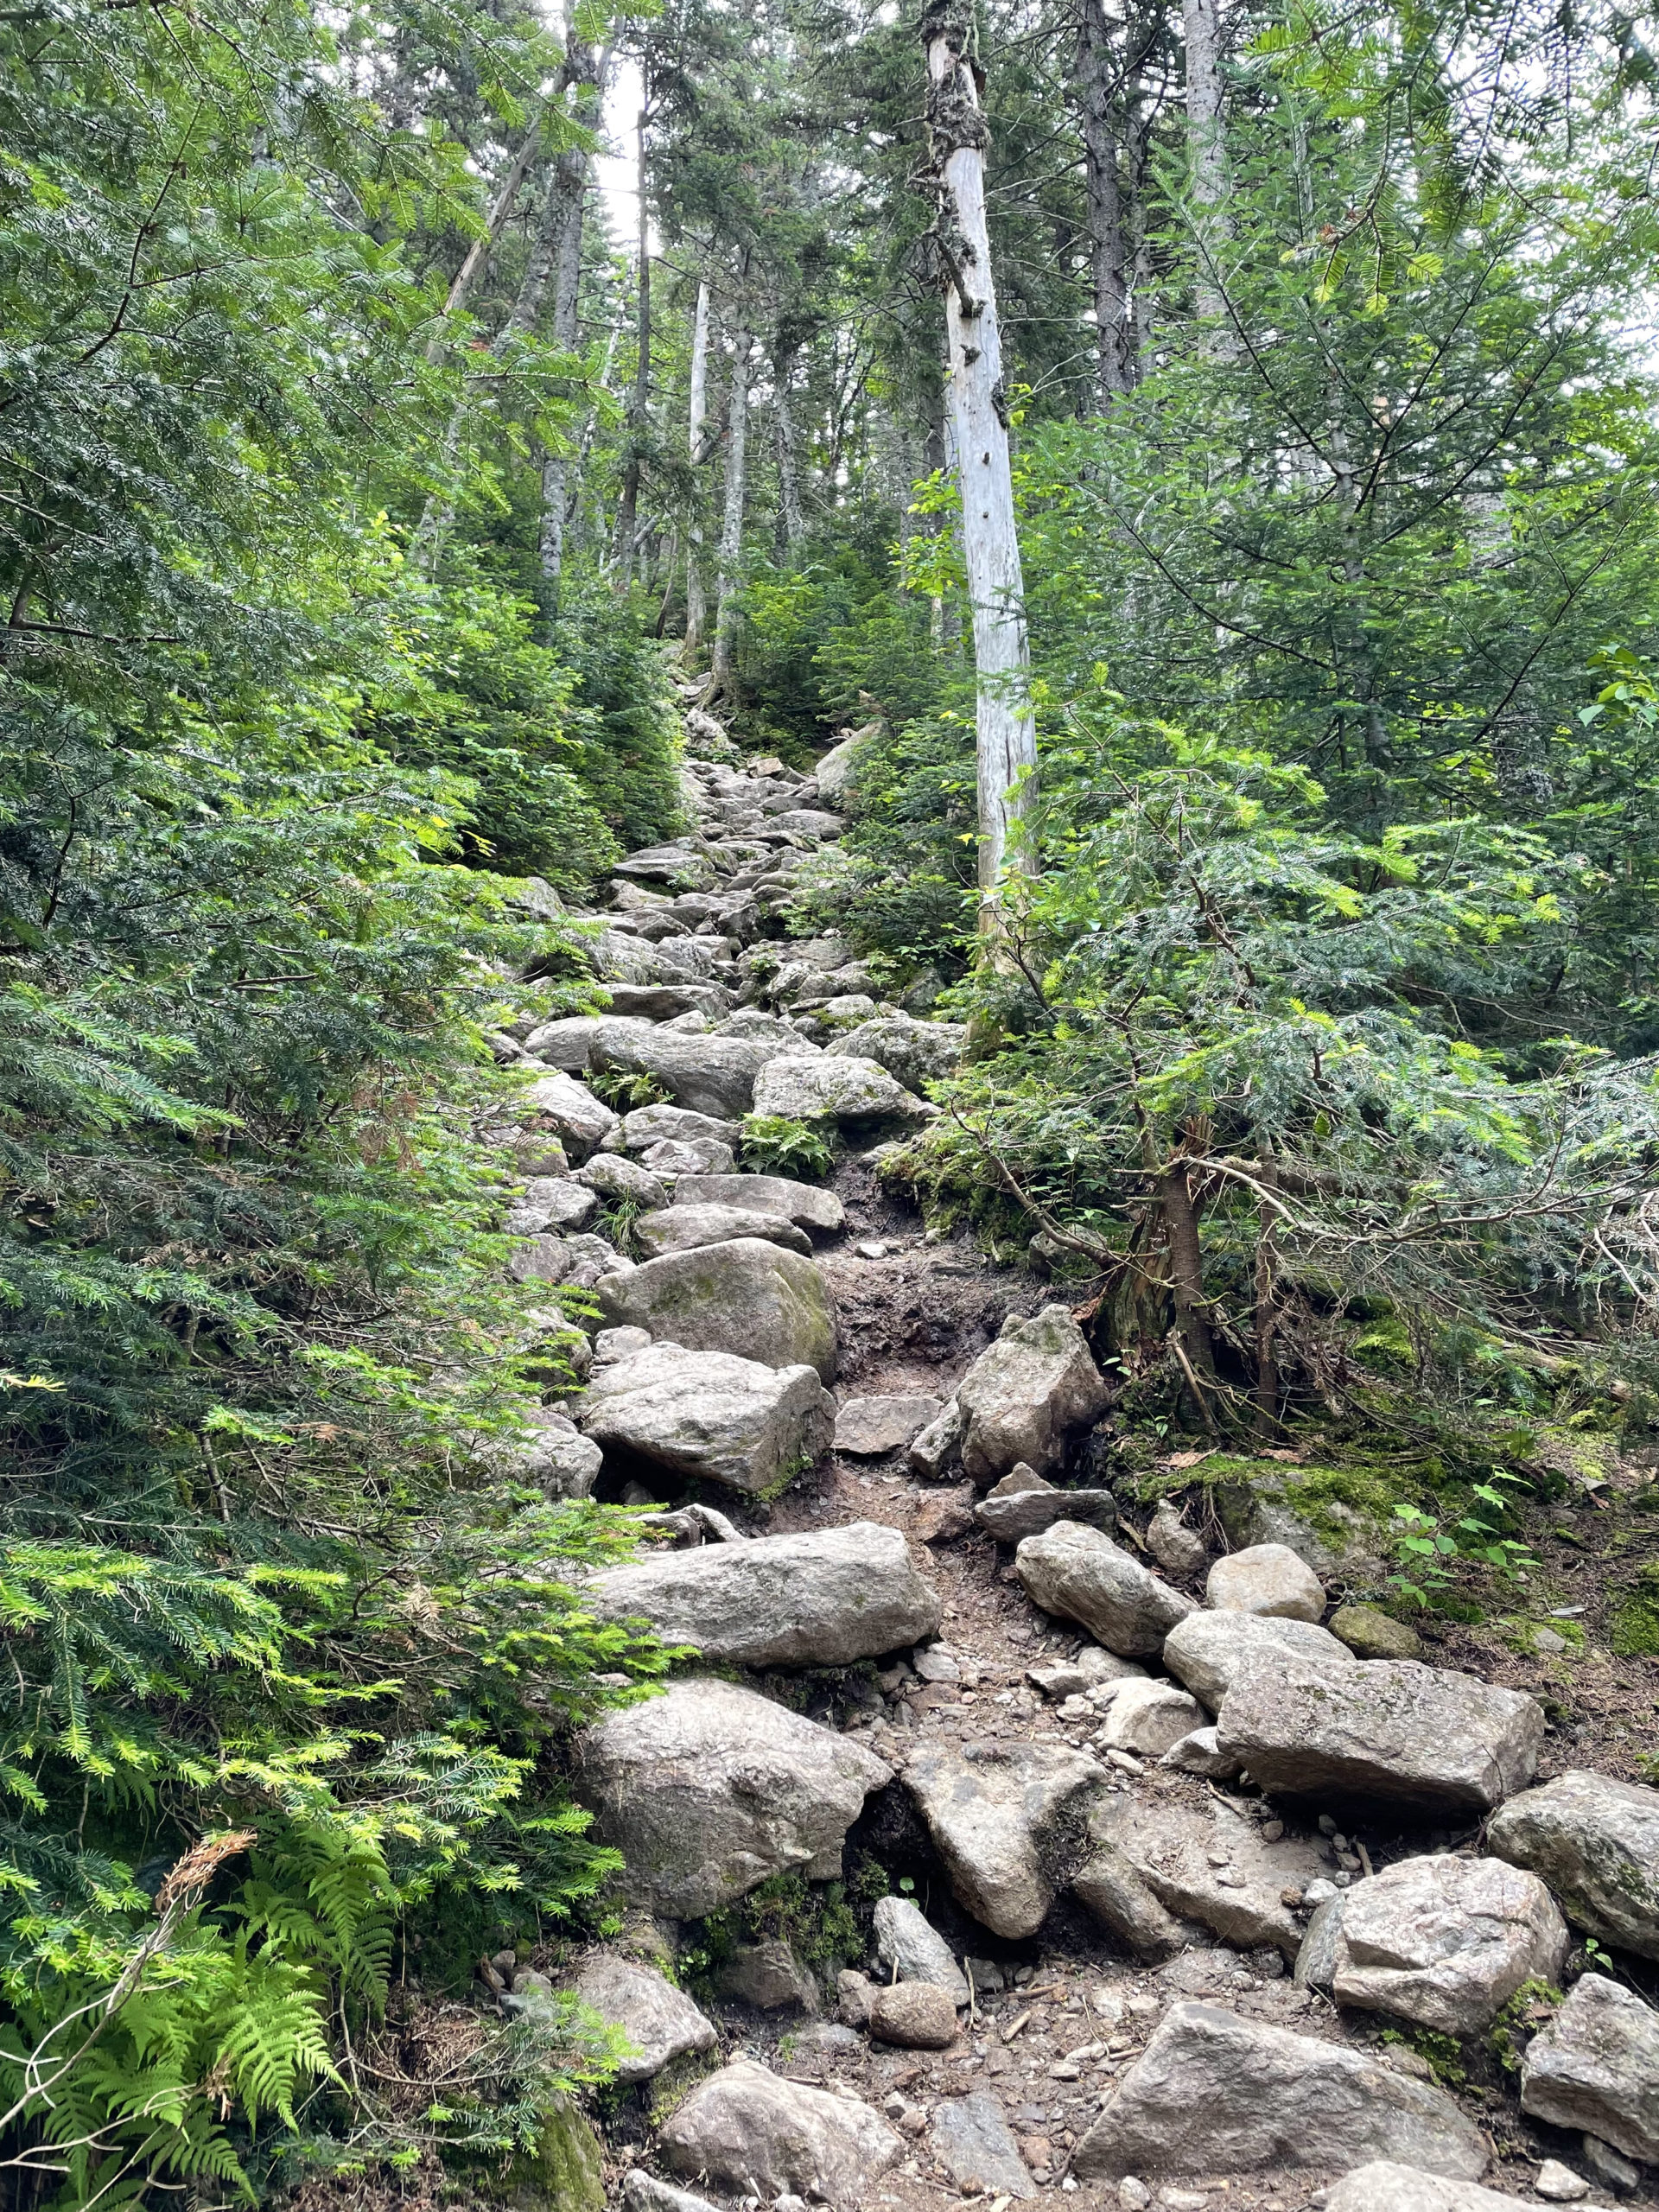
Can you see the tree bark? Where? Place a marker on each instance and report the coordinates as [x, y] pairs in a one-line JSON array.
[[628, 505], [1206, 162], [1006, 732], [567, 206], [789, 472], [1098, 69], [696, 606], [723, 685]]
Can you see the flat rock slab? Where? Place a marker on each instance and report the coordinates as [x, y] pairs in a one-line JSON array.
[[649, 1125], [1083, 1575], [711, 1074], [1266, 1580], [972, 2140], [1024, 1396], [805, 1203], [1203, 1863], [1596, 1843], [1383, 1732], [659, 2020], [1214, 2093], [1445, 1942], [1022, 1504], [710, 1416], [907, 1941], [746, 2131], [1205, 1651], [667, 1001], [684, 1228], [1596, 2067], [868, 1429], [747, 1296], [996, 1813], [1385, 2187], [823, 1598], [709, 1788]]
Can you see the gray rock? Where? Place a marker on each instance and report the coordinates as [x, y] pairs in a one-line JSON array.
[[750, 2133], [1596, 2067], [805, 1203], [972, 2140], [1083, 1575], [906, 1940], [1316, 1961], [836, 773], [666, 1002], [1176, 1548], [1205, 1863], [1199, 1752], [660, 2021], [568, 1042], [709, 1788], [916, 2015], [1205, 1651], [1260, 1507], [615, 1176], [1383, 1732], [1596, 1843], [1149, 1718], [589, 1259], [1369, 1633], [710, 1416], [643, 2192], [1024, 1394], [820, 1088], [868, 1429], [1445, 1942], [678, 865], [1385, 2186], [821, 1598], [581, 1122], [555, 1202], [1268, 1580], [1558, 2184], [539, 1259], [914, 1052], [808, 821], [936, 1452], [748, 1297], [1022, 1504], [649, 1125], [853, 1994], [1619, 2173], [1108, 1885], [1214, 2092], [1092, 1668], [769, 1976], [684, 1228], [553, 1453], [674, 1156], [997, 1814], [711, 1074]]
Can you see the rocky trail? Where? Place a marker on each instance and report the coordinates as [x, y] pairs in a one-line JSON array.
[[1204, 1885]]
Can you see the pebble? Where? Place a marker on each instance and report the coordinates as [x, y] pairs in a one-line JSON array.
[[1558, 2184]]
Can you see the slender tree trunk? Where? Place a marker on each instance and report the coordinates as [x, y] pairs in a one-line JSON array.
[[1186, 1283], [789, 474], [1007, 734], [629, 506], [567, 206], [1206, 160], [696, 609], [1097, 68], [724, 682]]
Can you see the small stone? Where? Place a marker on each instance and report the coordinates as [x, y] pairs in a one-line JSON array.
[[907, 1941], [1546, 1640], [1176, 1548], [934, 1664], [1608, 2166], [916, 2015], [1133, 2194], [1148, 1718], [1558, 2184], [973, 2142], [1369, 1633], [1182, 2200], [854, 1993], [1266, 1580]]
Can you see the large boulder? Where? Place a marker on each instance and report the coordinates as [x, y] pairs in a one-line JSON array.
[[748, 1296], [1205, 1651], [1386, 2186], [1596, 2067], [1080, 1573], [667, 1001], [1202, 1861], [709, 1788], [1444, 1941], [613, 1175], [1268, 1580], [747, 2131], [836, 773], [710, 1075], [684, 1228], [907, 1941], [550, 1452], [807, 1204], [999, 1814], [652, 1125], [1596, 1843], [568, 1042], [912, 1052], [818, 1088], [1382, 1733], [1216, 2092], [1022, 1397], [660, 2021], [823, 1598], [582, 1122], [710, 1416]]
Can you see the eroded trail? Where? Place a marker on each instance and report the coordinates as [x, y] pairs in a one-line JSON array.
[[1187, 1900]]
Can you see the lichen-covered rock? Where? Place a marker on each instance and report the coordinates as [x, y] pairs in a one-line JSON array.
[[1383, 1732], [996, 1813], [936, 1452], [650, 1125], [1205, 1651], [1596, 1843], [820, 1088], [748, 1297], [807, 1204], [1267, 1581], [659, 2020], [1596, 2067], [1026, 1394], [1369, 1633], [550, 1452], [684, 1228], [1215, 2092], [615, 1176], [709, 1788], [1022, 1504], [711, 1074], [914, 1052], [769, 1976], [581, 1122], [710, 1416], [820, 1598], [1083, 1575], [746, 2130], [1446, 1941]]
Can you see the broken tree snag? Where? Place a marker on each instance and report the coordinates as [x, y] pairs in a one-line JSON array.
[[959, 256]]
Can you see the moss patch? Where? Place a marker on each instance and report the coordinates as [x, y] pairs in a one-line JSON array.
[[1635, 1626]]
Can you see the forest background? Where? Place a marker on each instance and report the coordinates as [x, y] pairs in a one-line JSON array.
[[361, 489]]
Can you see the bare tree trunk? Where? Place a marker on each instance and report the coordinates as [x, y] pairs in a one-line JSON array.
[[789, 474], [1007, 734], [566, 205], [1097, 68], [1206, 160], [724, 683], [629, 506], [696, 608]]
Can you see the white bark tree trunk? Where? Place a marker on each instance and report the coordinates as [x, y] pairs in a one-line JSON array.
[[696, 607], [1206, 162], [789, 470], [567, 198], [723, 684], [1007, 732]]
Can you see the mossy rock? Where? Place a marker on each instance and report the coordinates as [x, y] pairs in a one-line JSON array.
[[1584, 1458], [1336, 1518], [564, 2172], [1634, 1630]]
